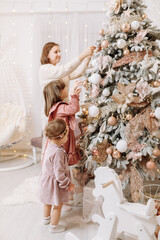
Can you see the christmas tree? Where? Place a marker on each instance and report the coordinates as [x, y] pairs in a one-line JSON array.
[[121, 110]]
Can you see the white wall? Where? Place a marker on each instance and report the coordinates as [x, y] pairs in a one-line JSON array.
[[25, 26]]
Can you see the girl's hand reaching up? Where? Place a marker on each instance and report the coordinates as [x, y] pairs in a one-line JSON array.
[[75, 89]]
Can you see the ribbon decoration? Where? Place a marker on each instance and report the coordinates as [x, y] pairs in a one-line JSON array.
[[136, 125], [136, 182], [126, 94], [101, 147], [135, 153], [141, 34], [116, 6]]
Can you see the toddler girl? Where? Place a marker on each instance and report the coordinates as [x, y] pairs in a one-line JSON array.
[[55, 180]]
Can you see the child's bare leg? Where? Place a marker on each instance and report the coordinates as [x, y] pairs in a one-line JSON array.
[[55, 215], [47, 210]]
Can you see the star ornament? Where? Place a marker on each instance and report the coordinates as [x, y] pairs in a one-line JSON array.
[[128, 12]]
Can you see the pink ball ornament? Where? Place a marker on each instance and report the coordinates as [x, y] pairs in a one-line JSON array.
[[104, 44], [109, 150], [150, 165], [126, 52], [112, 121], [125, 27], [116, 154], [95, 152], [101, 32], [156, 152]]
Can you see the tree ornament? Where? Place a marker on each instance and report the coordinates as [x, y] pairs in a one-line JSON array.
[[85, 110], [125, 27], [95, 78], [121, 146], [156, 84], [152, 115], [106, 92], [95, 152], [124, 6], [129, 116], [135, 25], [85, 129], [91, 128], [144, 16], [104, 44], [85, 83], [93, 111], [112, 121], [156, 152], [101, 32], [109, 150], [116, 154], [121, 43], [157, 113], [150, 165], [126, 52]]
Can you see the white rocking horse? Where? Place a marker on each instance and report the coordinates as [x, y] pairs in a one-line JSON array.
[[123, 220]]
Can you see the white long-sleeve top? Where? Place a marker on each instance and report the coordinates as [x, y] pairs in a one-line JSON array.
[[72, 70], [67, 72]]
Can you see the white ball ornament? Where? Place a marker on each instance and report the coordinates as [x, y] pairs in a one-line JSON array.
[[121, 43], [106, 92], [95, 78], [93, 111], [122, 146], [157, 113], [135, 25]]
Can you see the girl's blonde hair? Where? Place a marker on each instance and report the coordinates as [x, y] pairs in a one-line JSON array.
[[47, 47], [55, 128], [52, 94]]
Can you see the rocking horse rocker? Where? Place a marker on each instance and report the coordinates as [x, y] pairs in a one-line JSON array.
[[123, 220]]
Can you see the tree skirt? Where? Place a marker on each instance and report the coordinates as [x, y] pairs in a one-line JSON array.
[[27, 192]]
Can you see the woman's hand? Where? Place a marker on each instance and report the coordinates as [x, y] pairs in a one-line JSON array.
[[88, 52], [71, 187], [75, 89]]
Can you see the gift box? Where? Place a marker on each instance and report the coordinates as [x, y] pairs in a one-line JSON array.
[[91, 205]]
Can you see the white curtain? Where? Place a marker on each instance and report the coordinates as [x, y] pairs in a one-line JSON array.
[[24, 34]]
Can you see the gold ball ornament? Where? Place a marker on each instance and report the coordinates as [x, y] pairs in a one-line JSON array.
[[125, 27], [85, 83], [150, 165], [112, 121], [156, 84], [156, 152], [95, 152], [116, 154], [144, 16], [129, 116], [104, 44], [126, 52], [85, 110], [152, 115], [109, 150], [101, 32]]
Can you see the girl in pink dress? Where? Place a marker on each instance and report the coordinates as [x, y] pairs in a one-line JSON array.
[[54, 94], [55, 179]]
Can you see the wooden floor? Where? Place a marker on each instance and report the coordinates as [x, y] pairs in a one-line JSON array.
[[24, 222]]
